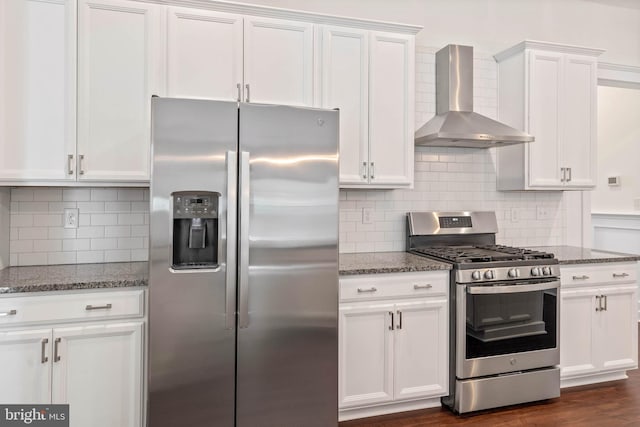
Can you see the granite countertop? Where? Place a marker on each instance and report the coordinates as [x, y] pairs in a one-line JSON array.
[[578, 255], [74, 276], [387, 262]]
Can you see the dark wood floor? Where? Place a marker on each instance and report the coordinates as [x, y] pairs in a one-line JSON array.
[[615, 403]]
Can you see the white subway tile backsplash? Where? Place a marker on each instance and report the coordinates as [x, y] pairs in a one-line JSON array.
[[88, 257], [61, 258], [117, 207], [104, 194], [47, 245], [47, 220], [102, 244], [117, 256], [32, 258], [104, 219], [131, 219], [26, 233], [76, 194], [113, 225], [74, 245]]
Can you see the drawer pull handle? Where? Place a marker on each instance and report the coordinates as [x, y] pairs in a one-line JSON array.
[[427, 286], [9, 313], [56, 356], [43, 357], [620, 275], [364, 291], [391, 325], [583, 277], [98, 307]]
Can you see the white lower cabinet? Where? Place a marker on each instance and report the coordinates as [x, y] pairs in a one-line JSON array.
[[94, 366], [599, 323], [25, 368], [98, 372], [393, 343]]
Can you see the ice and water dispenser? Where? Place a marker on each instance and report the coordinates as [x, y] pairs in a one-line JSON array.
[[195, 229]]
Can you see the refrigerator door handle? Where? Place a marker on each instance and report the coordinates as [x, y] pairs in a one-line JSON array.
[[243, 270], [230, 294]]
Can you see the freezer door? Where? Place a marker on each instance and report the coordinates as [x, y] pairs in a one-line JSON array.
[[288, 267], [191, 284]]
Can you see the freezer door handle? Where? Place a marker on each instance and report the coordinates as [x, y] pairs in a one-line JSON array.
[[230, 294], [243, 270]]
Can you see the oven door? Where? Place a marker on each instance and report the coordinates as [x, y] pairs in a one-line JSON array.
[[506, 327]]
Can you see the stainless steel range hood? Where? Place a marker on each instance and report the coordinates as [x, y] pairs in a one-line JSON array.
[[455, 124]]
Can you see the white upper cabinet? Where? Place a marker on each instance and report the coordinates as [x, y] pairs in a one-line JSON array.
[[391, 109], [204, 54], [215, 55], [278, 61], [77, 76], [118, 66], [549, 91], [369, 76], [37, 89], [345, 85]]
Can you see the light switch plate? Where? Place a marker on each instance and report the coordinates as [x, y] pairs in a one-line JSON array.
[[367, 216]]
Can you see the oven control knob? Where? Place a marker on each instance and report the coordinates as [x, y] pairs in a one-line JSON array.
[[535, 271], [488, 274], [476, 275], [546, 271], [514, 272]]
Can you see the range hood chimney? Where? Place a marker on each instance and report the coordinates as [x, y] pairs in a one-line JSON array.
[[455, 124]]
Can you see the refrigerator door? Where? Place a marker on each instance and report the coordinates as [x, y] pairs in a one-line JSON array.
[[192, 304], [288, 267]]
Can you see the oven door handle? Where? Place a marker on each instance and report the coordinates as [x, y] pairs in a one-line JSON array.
[[511, 289]]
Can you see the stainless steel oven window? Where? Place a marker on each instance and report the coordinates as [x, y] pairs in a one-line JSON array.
[[504, 327]]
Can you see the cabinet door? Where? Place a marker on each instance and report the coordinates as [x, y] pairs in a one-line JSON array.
[[204, 54], [545, 118], [118, 62], [25, 366], [365, 354], [345, 85], [421, 356], [579, 120], [617, 340], [577, 332], [391, 109], [278, 61], [99, 374], [37, 89]]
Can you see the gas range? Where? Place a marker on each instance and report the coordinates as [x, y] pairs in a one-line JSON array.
[[487, 263], [504, 311]]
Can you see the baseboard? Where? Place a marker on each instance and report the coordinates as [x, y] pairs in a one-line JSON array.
[[593, 379], [387, 408]]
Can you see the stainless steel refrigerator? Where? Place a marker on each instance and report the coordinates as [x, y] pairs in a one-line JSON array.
[[243, 283]]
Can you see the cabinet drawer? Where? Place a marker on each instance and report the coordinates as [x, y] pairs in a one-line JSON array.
[[380, 286], [71, 307], [600, 273]]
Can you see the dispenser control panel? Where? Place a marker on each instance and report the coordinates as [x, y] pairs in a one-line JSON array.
[[194, 206]]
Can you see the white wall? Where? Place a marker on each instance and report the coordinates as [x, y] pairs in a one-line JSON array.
[[618, 150], [493, 25], [4, 227]]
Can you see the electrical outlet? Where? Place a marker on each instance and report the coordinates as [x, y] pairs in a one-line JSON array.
[[367, 216], [515, 215], [71, 218], [636, 204], [542, 212]]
